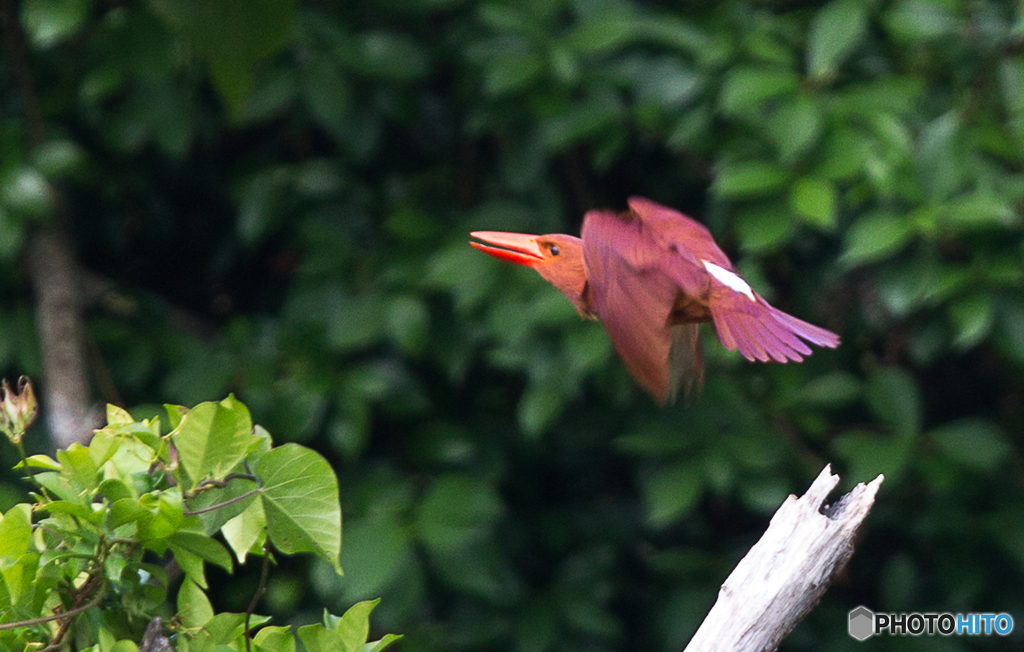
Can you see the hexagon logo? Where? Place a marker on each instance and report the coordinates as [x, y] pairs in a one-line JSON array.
[[862, 623]]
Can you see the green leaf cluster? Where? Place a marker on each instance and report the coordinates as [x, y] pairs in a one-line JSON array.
[[88, 562]]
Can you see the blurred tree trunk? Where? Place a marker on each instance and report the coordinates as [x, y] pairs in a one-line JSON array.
[[52, 267], [61, 338]]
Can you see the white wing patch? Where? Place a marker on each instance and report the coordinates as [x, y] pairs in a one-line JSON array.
[[728, 279]]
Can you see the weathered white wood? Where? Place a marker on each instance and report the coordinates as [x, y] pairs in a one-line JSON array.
[[785, 574]]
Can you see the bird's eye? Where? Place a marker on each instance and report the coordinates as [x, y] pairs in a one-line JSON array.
[[554, 250]]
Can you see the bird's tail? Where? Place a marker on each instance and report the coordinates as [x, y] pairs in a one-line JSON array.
[[762, 332]]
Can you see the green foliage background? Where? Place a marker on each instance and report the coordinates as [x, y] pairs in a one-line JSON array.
[[273, 198]]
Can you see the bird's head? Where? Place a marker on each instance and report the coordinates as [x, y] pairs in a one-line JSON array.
[[558, 258]]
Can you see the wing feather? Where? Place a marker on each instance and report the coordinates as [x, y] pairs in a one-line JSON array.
[[787, 337], [751, 330], [673, 230], [633, 299], [686, 361], [810, 332], [792, 346], [724, 332], [760, 330]]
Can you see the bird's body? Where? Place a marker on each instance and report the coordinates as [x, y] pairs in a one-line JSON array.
[[652, 275]]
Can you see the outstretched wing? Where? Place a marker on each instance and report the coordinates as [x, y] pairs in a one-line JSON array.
[[633, 298], [677, 233], [743, 319]]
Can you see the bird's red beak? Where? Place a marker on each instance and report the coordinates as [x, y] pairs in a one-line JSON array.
[[519, 248]]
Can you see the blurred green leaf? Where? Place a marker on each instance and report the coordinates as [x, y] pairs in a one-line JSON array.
[[796, 127], [666, 81], [27, 193], [979, 211], [834, 389], [456, 512], [815, 201], [11, 235], [274, 91], [354, 320], [875, 236], [408, 323], [975, 443], [613, 30], [844, 154], [48, 22], [920, 19], [895, 397], [377, 552], [512, 72], [747, 179], [747, 88], [327, 92], [671, 492], [609, 31], [870, 454], [233, 36], [939, 159], [389, 55], [1011, 328], [583, 121], [764, 227], [541, 404], [259, 210], [972, 317], [58, 159], [468, 274], [836, 31]]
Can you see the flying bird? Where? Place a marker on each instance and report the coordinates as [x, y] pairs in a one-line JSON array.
[[651, 275]]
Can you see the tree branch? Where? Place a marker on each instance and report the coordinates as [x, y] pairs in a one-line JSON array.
[[787, 571]]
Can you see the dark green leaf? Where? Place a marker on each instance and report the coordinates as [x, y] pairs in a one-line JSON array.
[[974, 443], [671, 492], [894, 396], [747, 88], [456, 513], [233, 36], [875, 236], [836, 31]]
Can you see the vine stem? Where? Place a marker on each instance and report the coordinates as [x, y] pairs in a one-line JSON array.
[[231, 501], [29, 473], [260, 590], [71, 613]]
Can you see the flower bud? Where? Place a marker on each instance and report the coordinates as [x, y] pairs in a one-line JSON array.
[[18, 409]]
